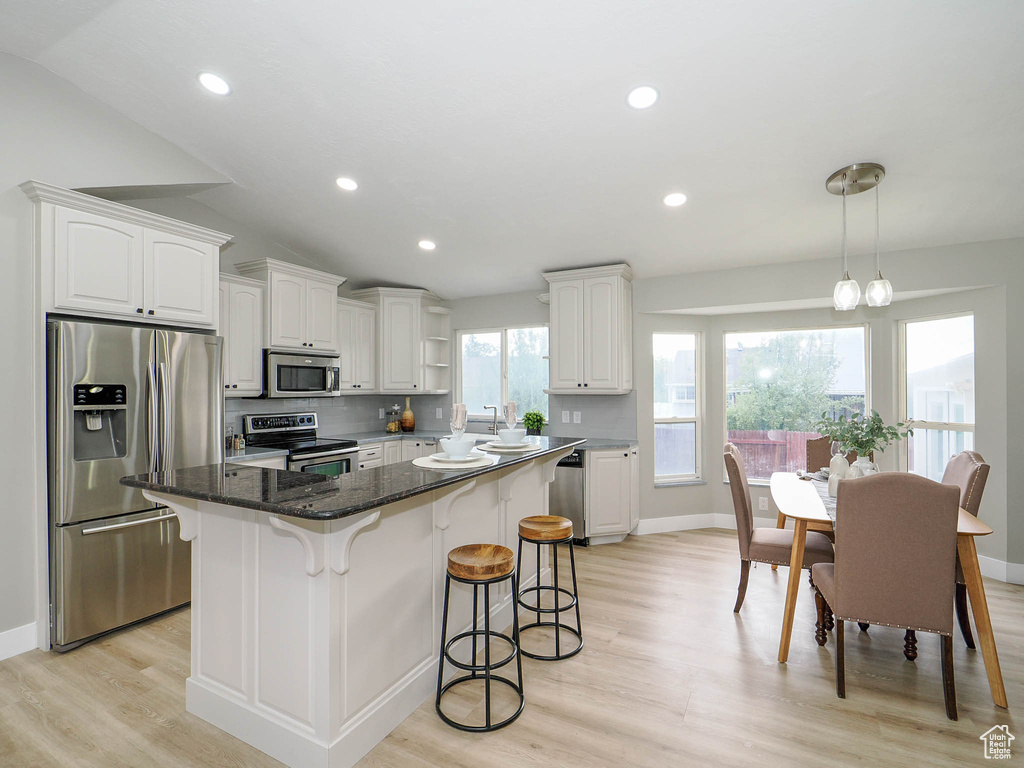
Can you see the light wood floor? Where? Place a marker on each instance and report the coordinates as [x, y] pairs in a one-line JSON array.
[[669, 677]]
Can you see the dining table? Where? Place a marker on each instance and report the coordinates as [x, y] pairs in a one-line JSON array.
[[808, 504]]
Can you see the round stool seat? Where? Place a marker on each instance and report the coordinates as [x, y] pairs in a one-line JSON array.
[[480, 562], [545, 528]]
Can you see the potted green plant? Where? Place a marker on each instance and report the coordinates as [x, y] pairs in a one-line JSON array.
[[534, 422], [863, 434]]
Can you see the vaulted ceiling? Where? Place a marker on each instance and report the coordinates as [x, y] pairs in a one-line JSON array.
[[501, 130]]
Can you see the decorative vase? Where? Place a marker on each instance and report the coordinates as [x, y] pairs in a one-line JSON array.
[[408, 419], [862, 467], [838, 469]]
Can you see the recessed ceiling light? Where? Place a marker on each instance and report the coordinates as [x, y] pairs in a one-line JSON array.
[[428, 245], [675, 199], [349, 185], [214, 83], [642, 97]]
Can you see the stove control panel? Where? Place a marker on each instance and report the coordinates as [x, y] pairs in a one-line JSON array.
[[278, 422]]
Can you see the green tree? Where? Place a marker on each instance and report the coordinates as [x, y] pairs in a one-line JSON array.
[[782, 384]]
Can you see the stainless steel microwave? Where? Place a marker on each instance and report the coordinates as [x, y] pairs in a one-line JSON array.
[[297, 375]]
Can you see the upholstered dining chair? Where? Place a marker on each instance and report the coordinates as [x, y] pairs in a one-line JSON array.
[[895, 563], [763, 545]]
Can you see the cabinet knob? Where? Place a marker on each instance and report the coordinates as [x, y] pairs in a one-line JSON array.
[[139, 310], [311, 343], [626, 455], [151, 312], [579, 385], [414, 386], [234, 386], [227, 386], [584, 385]]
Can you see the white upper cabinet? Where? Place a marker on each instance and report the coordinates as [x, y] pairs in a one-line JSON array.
[[180, 276], [591, 343], [301, 306], [357, 345], [400, 342], [110, 260], [241, 325]]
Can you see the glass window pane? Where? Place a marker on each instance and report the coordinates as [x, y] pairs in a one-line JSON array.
[[778, 383], [940, 370], [527, 369], [481, 371], [675, 375], [675, 449], [931, 449]]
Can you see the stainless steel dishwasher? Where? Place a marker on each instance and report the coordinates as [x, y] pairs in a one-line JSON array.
[[566, 497]]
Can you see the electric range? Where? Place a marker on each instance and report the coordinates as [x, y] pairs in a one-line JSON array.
[[296, 433]]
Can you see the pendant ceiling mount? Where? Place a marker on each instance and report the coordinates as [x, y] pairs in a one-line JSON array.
[[860, 177]]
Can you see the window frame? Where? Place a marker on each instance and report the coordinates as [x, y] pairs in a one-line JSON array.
[[866, 326], [925, 424], [697, 419], [503, 330]]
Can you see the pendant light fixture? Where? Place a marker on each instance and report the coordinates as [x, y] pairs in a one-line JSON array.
[[849, 181], [879, 290]]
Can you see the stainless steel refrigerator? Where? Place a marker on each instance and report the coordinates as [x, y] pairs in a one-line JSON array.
[[122, 400]]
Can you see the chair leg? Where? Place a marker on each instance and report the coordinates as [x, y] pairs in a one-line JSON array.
[[819, 626], [840, 661], [962, 616], [948, 683], [910, 645], [830, 619], [863, 626], [742, 591]]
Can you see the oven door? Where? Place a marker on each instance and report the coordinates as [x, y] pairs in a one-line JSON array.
[[331, 463], [301, 376]]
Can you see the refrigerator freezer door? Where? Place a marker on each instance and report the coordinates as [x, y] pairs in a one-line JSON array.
[[112, 572], [189, 381], [87, 487]]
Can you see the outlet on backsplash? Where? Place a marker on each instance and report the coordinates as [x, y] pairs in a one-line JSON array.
[[565, 417], [762, 504], [380, 413], [577, 417], [439, 413]]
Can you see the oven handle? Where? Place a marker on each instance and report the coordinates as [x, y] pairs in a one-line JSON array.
[[326, 454]]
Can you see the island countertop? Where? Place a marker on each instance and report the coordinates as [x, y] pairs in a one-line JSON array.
[[320, 497]]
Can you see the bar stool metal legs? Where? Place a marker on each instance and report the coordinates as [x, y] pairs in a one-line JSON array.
[[477, 671], [534, 530]]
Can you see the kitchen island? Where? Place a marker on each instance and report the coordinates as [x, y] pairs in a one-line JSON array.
[[316, 601]]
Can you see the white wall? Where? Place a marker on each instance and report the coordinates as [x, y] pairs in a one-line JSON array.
[[51, 132]]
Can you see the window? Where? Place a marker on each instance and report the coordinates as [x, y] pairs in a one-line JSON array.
[[676, 407], [937, 392], [498, 366], [778, 383]]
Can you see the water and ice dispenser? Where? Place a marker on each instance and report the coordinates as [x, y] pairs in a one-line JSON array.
[[101, 416]]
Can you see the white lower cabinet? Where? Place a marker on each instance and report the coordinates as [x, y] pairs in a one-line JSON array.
[[370, 455], [412, 448], [393, 452], [612, 491]]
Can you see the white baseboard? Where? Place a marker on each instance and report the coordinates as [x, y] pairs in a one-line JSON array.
[[1000, 570], [18, 640]]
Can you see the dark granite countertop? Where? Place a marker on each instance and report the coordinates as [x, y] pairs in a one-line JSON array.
[[318, 497]]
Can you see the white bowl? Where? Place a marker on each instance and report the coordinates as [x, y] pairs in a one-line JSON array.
[[512, 436], [457, 449]]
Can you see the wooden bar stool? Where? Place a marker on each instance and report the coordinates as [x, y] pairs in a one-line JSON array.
[[480, 565], [551, 530]]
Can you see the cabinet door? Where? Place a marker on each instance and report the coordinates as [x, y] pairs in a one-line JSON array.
[[566, 337], [393, 452], [400, 343], [287, 311], [634, 487], [224, 330], [98, 264], [601, 350], [366, 349], [428, 448], [322, 317], [347, 345], [608, 503], [243, 353], [411, 448], [180, 278]]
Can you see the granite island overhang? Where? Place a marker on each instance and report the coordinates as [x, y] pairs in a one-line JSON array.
[[316, 600]]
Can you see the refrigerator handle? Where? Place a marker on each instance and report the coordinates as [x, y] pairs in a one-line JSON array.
[[152, 445], [161, 377]]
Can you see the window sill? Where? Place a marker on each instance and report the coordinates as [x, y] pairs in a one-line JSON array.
[[753, 483], [678, 483]]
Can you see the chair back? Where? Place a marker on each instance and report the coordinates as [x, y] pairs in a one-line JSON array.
[[740, 498], [819, 454], [896, 551], [969, 472]]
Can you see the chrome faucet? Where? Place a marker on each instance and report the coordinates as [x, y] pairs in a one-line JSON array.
[[494, 425]]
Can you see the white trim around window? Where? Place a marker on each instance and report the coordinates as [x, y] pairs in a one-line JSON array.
[[504, 364]]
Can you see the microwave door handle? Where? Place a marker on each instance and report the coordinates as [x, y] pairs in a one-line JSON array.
[[152, 448], [161, 377]]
